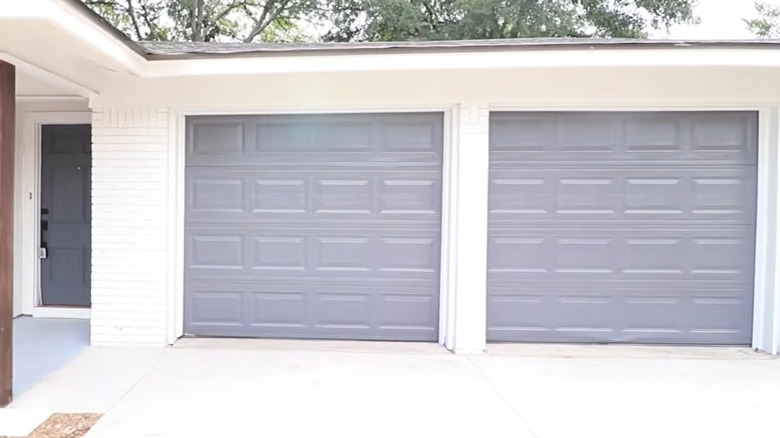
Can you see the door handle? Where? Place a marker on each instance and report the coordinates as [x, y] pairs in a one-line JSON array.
[[43, 251]]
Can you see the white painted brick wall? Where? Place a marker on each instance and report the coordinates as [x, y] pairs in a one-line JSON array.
[[129, 225]]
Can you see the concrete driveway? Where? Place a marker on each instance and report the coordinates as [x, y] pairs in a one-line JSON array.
[[224, 388]]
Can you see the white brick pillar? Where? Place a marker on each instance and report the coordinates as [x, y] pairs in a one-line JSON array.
[[130, 250], [468, 229]]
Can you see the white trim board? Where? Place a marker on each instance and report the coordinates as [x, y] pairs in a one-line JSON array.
[[766, 305], [31, 191], [62, 312]]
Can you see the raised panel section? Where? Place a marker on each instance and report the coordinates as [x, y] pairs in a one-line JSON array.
[[585, 255], [522, 196], [217, 195], [346, 135], [408, 254], [653, 132], [583, 132], [66, 267], [216, 138], [278, 309], [67, 188], [518, 254], [216, 308], [518, 311], [343, 196], [720, 132], [719, 255], [279, 253], [344, 254], [217, 252], [343, 310], [655, 195], [655, 255], [275, 135], [588, 196], [718, 196], [520, 133], [411, 136], [280, 195], [408, 311], [69, 140], [409, 196]]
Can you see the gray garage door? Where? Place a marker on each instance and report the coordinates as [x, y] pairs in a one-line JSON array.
[[622, 227], [313, 226]]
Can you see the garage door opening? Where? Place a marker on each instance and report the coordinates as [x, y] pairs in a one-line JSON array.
[[313, 226], [634, 227]]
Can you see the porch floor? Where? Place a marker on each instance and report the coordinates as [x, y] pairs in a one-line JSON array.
[[43, 345]]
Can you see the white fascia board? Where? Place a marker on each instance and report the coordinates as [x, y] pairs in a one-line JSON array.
[[47, 76], [697, 57], [70, 19]]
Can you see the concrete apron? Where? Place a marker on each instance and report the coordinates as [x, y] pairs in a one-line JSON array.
[[290, 389]]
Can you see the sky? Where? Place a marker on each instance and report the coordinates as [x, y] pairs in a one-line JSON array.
[[720, 19]]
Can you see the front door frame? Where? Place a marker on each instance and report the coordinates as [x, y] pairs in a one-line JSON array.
[[31, 211]]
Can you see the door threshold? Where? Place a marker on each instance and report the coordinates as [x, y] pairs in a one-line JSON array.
[[62, 312]]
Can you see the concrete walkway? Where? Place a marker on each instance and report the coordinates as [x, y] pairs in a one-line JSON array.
[[222, 388]]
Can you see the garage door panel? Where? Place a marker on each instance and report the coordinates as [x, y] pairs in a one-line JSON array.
[[313, 309], [240, 194], [314, 226], [705, 194], [295, 253], [619, 314], [345, 140], [216, 307], [622, 254], [562, 137], [222, 137], [622, 227]]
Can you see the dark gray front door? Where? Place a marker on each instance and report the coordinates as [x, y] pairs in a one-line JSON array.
[[622, 227], [313, 226], [66, 168]]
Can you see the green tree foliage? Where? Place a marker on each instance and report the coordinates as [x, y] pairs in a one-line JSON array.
[[385, 20], [766, 23], [205, 20], [388, 20]]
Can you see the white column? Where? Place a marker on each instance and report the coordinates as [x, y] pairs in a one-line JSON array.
[[130, 225], [766, 315], [468, 229]]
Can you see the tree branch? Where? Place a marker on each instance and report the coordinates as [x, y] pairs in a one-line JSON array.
[[134, 19], [262, 23], [148, 20]]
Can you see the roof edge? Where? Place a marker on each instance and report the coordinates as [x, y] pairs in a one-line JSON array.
[[108, 27], [218, 51]]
